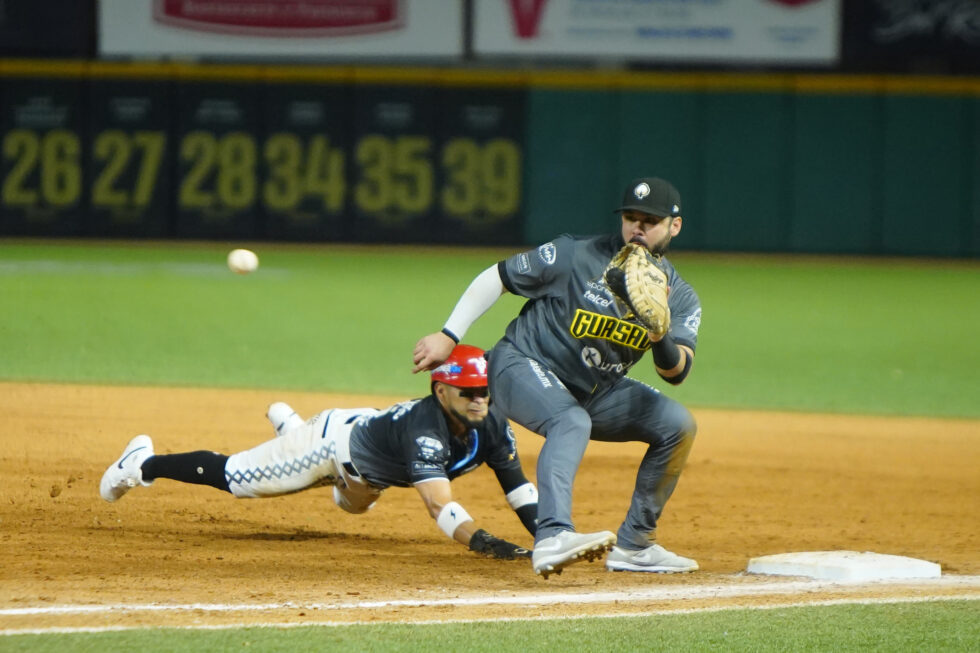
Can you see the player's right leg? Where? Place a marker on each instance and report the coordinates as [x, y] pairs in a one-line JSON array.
[[138, 465], [633, 411], [533, 397], [295, 461]]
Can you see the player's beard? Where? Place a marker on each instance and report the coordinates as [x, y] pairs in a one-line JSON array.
[[660, 248], [465, 420]]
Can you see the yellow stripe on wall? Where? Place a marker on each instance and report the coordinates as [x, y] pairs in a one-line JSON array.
[[548, 79]]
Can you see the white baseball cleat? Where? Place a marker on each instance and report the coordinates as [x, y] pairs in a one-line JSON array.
[[283, 417], [552, 554], [654, 558], [125, 473]]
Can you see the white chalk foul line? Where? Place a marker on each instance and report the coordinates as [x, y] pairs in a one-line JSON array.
[[437, 622], [677, 592]]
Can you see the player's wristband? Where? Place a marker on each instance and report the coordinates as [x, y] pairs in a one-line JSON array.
[[666, 353], [522, 495], [450, 517], [450, 334]]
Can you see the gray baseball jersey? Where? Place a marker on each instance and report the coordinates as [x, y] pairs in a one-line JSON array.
[[573, 325], [411, 442]]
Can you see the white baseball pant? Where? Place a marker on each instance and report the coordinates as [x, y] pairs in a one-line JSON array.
[[313, 454]]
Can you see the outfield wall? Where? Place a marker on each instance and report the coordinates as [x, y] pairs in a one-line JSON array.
[[775, 163]]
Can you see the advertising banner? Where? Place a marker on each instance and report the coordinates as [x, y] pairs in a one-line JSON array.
[[780, 32], [269, 29], [927, 36]]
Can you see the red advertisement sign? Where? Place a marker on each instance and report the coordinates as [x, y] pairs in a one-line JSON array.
[[526, 15], [282, 17]]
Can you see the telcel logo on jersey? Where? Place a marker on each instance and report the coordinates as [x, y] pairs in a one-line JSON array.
[[593, 325], [604, 299]]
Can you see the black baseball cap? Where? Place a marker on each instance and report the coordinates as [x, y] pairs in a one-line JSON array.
[[651, 195]]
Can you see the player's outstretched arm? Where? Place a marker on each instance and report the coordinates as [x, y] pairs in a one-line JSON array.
[[476, 300], [456, 523]]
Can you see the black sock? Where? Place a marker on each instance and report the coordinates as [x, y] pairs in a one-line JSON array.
[[198, 467]]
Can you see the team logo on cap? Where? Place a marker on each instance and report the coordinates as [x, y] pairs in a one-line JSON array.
[[641, 190], [448, 368]]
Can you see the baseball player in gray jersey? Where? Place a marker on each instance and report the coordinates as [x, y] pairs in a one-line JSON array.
[[560, 371], [424, 443]]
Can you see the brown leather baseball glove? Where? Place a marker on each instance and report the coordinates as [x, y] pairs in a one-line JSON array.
[[637, 278]]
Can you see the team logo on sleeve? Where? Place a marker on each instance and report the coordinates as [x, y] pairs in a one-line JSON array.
[[512, 442], [429, 448], [548, 253], [693, 321]]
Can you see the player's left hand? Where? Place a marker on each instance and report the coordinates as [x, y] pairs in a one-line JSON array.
[[636, 277], [431, 350], [494, 547]]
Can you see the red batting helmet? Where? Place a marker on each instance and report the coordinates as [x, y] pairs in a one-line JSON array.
[[466, 367]]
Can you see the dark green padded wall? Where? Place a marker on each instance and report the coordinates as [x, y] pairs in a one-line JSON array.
[[861, 171], [746, 171], [662, 137], [926, 153], [834, 205], [569, 162], [971, 232]]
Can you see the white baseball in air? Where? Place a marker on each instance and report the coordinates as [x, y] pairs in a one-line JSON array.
[[242, 261]]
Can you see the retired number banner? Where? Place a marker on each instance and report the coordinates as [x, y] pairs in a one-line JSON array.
[[130, 158], [42, 175], [217, 153]]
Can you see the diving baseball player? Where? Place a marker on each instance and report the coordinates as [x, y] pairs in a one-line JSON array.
[[423, 443], [560, 371]]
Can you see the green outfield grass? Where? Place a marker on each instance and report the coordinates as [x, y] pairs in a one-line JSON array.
[[887, 337], [937, 626]]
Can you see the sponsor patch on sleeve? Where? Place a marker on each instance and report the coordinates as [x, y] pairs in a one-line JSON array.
[[420, 468], [523, 264]]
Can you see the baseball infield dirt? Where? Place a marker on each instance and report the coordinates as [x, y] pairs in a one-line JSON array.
[[756, 483]]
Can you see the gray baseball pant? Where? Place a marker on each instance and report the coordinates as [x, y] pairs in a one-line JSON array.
[[627, 411]]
